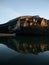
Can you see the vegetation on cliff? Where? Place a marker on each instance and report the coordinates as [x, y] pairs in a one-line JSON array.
[[26, 24]]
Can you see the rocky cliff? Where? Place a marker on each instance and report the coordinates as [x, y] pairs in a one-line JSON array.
[[26, 25]]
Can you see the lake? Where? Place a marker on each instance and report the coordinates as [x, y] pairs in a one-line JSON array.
[[24, 50]]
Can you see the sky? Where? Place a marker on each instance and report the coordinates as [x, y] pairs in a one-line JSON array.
[[10, 9]]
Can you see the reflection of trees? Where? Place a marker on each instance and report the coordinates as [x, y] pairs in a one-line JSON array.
[[27, 45]]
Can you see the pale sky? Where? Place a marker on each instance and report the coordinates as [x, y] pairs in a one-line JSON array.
[[10, 9]]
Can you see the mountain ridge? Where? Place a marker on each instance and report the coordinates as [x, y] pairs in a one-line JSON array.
[[23, 23]]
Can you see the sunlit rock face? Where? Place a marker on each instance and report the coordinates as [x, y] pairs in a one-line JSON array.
[[31, 25], [28, 21], [27, 25]]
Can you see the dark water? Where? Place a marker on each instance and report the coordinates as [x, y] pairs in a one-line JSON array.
[[22, 50]]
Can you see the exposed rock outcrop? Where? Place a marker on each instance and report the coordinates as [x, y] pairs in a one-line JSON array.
[[26, 25]]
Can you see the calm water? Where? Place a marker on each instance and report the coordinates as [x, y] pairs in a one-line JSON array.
[[24, 50]]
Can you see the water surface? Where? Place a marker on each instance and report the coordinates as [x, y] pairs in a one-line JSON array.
[[24, 50]]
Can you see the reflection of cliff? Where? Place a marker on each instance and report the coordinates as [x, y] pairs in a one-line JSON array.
[[26, 24], [27, 44]]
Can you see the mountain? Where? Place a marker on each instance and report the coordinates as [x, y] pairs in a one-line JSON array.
[[26, 25]]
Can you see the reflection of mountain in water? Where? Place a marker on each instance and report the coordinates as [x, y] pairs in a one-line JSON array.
[[27, 44]]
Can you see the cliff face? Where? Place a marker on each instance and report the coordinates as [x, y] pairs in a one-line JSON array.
[[26, 24]]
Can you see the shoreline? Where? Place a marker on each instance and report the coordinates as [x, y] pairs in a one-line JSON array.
[[7, 34]]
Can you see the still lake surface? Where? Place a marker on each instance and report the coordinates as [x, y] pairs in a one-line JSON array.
[[24, 50]]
